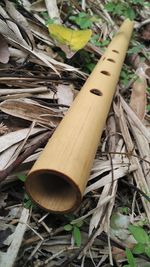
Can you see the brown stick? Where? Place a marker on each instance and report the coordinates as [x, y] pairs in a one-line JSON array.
[[4, 173]]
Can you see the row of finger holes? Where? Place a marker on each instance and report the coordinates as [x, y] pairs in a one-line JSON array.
[[96, 91], [111, 60]]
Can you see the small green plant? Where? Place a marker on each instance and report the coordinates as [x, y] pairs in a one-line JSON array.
[[121, 9], [83, 20], [89, 61], [84, 60], [142, 246], [125, 8], [143, 240], [95, 39], [148, 108], [74, 228], [136, 49], [124, 210], [125, 76], [130, 259], [27, 202], [21, 176], [47, 19]]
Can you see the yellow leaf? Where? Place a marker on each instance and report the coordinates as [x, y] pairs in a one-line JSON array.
[[75, 39]]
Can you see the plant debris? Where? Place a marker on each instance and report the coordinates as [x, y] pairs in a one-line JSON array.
[[38, 83]]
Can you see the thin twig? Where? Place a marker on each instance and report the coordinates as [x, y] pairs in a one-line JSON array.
[[135, 188]]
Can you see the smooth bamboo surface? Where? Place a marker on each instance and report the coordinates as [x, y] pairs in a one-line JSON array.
[[58, 178]]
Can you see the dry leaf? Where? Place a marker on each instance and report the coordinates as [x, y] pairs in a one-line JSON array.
[[4, 234], [65, 94], [21, 20], [7, 155], [38, 6], [32, 111], [52, 10], [12, 34], [3, 197], [12, 138], [138, 96], [4, 52]]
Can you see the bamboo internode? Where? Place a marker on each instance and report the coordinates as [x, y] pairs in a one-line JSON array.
[[58, 178]]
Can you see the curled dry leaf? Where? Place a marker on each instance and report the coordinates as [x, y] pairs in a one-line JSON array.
[[32, 111], [4, 51], [38, 6], [21, 21]]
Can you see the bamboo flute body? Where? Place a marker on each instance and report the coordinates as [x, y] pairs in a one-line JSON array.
[[58, 178]]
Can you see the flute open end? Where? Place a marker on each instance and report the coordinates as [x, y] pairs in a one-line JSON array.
[[53, 191]]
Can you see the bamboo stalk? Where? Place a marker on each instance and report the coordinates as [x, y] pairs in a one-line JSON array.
[[58, 178]]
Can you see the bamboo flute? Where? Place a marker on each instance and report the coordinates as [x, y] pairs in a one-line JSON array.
[[58, 178]]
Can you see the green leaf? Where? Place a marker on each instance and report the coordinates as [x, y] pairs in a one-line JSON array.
[[83, 20], [130, 258], [139, 248], [91, 66], [147, 4], [68, 227], [147, 250], [28, 204], [140, 2], [148, 107], [124, 210], [21, 177], [79, 224], [135, 49], [129, 13], [139, 234], [110, 6], [77, 236], [50, 21]]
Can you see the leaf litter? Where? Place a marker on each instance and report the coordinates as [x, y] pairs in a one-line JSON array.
[[38, 84]]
